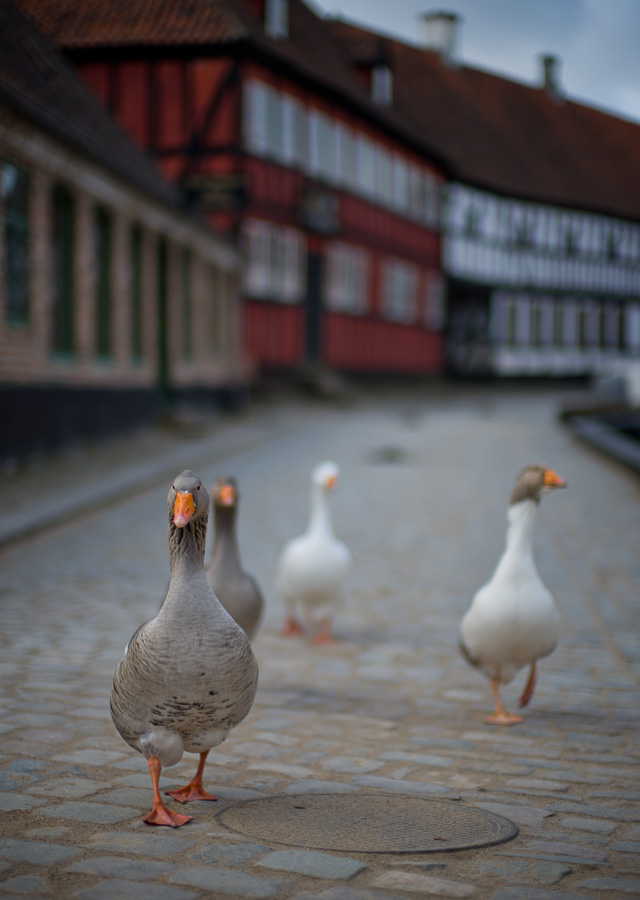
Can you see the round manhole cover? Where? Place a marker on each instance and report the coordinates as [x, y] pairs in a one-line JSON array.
[[367, 823]]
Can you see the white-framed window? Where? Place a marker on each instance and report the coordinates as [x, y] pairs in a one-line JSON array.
[[522, 321], [382, 85], [276, 18], [431, 199], [384, 176], [347, 283], [501, 306], [545, 322], [611, 324], [416, 192], [274, 123], [254, 106], [294, 131], [366, 162], [400, 184], [434, 301], [289, 149], [632, 326], [569, 323], [275, 262], [346, 156], [399, 291], [326, 147]]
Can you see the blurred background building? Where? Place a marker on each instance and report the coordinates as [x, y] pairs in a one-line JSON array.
[[396, 211]]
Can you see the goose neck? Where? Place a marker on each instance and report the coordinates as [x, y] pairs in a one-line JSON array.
[[319, 519], [225, 541], [187, 545], [521, 518]]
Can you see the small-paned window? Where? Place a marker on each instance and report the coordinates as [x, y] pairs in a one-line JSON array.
[[274, 123], [382, 85], [366, 160], [276, 262], [15, 202], [276, 18], [135, 283], [255, 128], [347, 283], [346, 156], [400, 185], [385, 177], [103, 256], [63, 276], [434, 301], [399, 291]]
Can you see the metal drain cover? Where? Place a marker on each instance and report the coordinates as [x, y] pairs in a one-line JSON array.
[[367, 823]]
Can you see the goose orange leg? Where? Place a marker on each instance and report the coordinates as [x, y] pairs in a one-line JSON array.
[[324, 636], [529, 687], [291, 627], [500, 716], [159, 814], [193, 790]]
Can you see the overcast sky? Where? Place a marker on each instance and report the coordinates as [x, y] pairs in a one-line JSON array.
[[598, 41]]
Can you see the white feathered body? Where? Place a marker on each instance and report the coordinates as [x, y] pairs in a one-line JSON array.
[[513, 620], [311, 572], [313, 567]]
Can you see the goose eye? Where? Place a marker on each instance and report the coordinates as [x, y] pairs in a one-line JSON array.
[[173, 487], [198, 488]]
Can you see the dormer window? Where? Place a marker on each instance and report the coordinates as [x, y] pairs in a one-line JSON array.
[[382, 85], [276, 18]]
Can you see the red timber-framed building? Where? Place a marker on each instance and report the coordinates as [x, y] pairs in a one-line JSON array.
[[252, 108]]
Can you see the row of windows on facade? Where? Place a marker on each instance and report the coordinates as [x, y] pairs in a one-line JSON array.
[[276, 270], [495, 220], [473, 260], [525, 321], [15, 191], [279, 126]]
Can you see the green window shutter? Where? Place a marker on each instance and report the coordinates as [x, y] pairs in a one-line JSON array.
[[104, 241], [137, 337], [62, 248], [15, 201]]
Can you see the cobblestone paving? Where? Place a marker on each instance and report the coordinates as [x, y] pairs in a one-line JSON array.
[[390, 708]]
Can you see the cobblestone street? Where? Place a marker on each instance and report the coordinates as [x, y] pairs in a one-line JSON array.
[[390, 710]]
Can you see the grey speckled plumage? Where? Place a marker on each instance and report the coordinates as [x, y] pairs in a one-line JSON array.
[[238, 591], [189, 675]]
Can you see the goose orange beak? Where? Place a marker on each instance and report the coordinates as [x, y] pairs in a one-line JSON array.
[[552, 480], [183, 508], [227, 495], [331, 482]]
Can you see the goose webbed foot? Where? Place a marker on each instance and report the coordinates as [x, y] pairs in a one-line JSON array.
[[193, 790], [324, 637], [190, 792], [159, 814], [529, 687], [291, 627], [500, 716]]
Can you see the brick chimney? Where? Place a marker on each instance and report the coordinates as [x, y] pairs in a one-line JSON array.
[[550, 74], [441, 30]]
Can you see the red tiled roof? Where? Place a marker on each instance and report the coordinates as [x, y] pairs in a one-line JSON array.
[[506, 136]]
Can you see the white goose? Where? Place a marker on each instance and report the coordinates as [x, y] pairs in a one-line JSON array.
[[313, 567], [513, 620], [188, 676]]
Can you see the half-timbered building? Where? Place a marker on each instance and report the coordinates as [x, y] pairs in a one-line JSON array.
[[252, 107], [541, 225]]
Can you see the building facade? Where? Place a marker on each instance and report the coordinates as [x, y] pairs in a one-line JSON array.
[[541, 218], [253, 111], [112, 300]]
